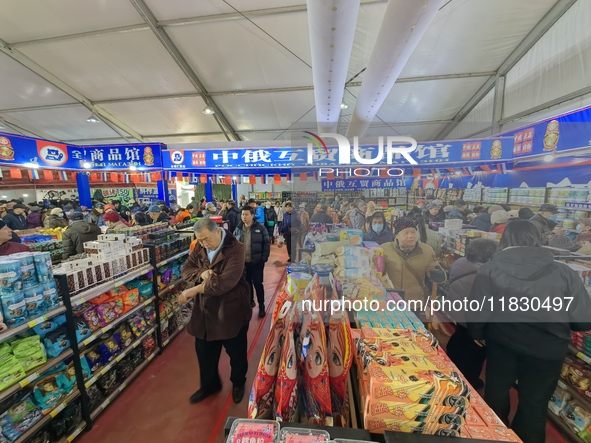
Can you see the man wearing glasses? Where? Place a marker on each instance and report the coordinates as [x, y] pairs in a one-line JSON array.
[[214, 272]]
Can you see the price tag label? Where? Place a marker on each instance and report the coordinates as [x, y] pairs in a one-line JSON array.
[[122, 387], [151, 357], [75, 434], [104, 371], [135, 345], [89, 383], [106, 403], [88, 340], [561, 384], [31, 378], [147, 302], [106, 328], [57, 410]]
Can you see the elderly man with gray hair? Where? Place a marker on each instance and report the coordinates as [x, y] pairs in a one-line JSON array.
[[357, 216], [214, 272]]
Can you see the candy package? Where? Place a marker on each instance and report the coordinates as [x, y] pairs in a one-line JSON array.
[[150, 315], [138, 325], [10, 276], [14, 309], [124, 369], [93, 359], [56, 342], [95, 396], [50, 295], [108, 382], [297, 435], [136, 356], [260, 402], [47, 392], [82, 329], [28, 271], [92, 318], [125, 336], [262, 431], [19, 418], [130, 299], [29, 352], [148, 346], [43, 266], [11, 371], [109, 348], [286, 391], [106, 313], [34, 301], [340, 359]]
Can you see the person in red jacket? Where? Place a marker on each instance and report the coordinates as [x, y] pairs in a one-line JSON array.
[[499, 221], [7, 246]]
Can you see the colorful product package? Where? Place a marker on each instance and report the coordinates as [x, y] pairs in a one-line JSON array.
[[34, 301], [480, 433], [150, 315], [473, 419], [316, 403], [423, 412], [340, 358], [50, 325], [43, 266], [298, 435], [109, 349], [82, 329], [28, 271], [286, 391], [260, 402], [501, 433], [56, 342], [125, 336], [148, 346], [19, 418], [50, 295], [130, 299], [138, 325], [93, 359], [11, 371], [14, 309], [353, 236], [575, 416], [10, 276], [47, 392], [488, 416], [29, 352], [260, 431], [91, 318], [106, 313]]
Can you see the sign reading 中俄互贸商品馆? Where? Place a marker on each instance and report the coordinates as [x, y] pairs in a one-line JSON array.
[[359, 184], [26, 151], [437, 153]]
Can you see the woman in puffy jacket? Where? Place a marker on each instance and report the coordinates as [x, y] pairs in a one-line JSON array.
[[34, 217]]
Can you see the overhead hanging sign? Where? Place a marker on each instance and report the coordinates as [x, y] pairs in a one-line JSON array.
[[25, 151], [557, 134], [359, 184], [435, 153]]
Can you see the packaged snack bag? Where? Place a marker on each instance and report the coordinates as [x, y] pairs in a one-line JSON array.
[[297, 435], [10, 276], [92, 318], [28, 271], [130, 299], [260, 402], [286, 391], [47, 393], [56, 342], [50, 295], [19, 418], [106, 313], [14, 309], [316, 403], [126, 338], [93, 359], [109, 349], [34, 301], [340, 359], [43, 266], [260, 431], [29, 352], [11, 371]]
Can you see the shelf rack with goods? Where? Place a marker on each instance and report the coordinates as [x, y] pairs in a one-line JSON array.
[[528, 197]]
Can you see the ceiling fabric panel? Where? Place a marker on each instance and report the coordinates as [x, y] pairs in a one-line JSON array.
[[478, 119], [192, 139], [269, 111], [172, 116], [64, 123], [235, 55], [21, 88], [474, 36], [420, 133], [110, 66], [428, 100], [34, 19], [558, 64]]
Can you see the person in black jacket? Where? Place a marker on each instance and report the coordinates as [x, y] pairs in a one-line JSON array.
[[15, 218], [270, 220], [321, 216], [257, 247], [528, 305], [232, 215]]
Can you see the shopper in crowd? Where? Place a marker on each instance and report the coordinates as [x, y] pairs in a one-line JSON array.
[[157, 215], [96, 215], [418, 208], [34, 217], [321, 216], [526, 345], [184, 214], [8, 245], [409, 261], [563, 242], [259, 211], [114, 222], [141, 219], [336, 204], [467, 355], [223, 209], [210, 210], [257, 246], [279, 211], [233, 215], [499, 221], [544, 222], [379, 231], [214, 272], [459, 211], [270, 219], [433, 213], [525, 213], [109, 208], [584, 230], [483, 221], [357, 215], [242, 201], [77, 234], [476, 212], [371, 209], [304, 224], [171, 218], [68, 211], [290, 229], [427, 235], [344, 206], [15, 218], [55, 219], [334, 215]]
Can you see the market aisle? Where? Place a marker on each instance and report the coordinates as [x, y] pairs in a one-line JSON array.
[[155, 407]]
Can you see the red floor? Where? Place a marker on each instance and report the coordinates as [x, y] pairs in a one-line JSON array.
[[155, 407]]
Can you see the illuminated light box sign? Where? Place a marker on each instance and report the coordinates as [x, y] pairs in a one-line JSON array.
[[359, 184], [25, 151]]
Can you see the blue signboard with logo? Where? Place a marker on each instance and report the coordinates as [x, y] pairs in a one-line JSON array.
[[557, 134], [359, 184], [24, 151], [436, 153]]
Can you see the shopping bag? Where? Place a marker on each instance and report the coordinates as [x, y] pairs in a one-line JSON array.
[[280, 241], [276, 231]]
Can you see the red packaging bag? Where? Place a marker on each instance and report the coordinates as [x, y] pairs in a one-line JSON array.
[[286, 390], [340, 359], [260, 402], [316, 403]]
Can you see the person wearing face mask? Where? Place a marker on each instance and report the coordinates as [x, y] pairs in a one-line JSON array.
[[322, 216], [584, 230], [544, 222], [270, 220], [379, 231]]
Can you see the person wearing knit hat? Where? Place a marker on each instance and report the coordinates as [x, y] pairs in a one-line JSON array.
[[417, 209], [113, 221], [409, 261], [499, 221], [7, 245], [55, 219], [15, 218], [448, 209], [584, 229], [494, 208], [433, 213], [543, 221], [513, 214], [483, 221], [526, 213], [563, 242]]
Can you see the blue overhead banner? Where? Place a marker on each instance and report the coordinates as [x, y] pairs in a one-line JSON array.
[[436, 153], [359, 184], [25, 151], [557, 134]]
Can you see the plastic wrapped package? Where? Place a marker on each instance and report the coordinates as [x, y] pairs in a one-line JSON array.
[[148, 346], [92, 318], [28, 271], [260, 403], [262, 431], [138, 325], [340, 359], [150, 315], [82, 329], [14, 309], [298, 435], [109, 348], [10, 276], [56, 342], [34, 301], [93, 359], [136, 357], [286, 390], [51, 297], [47, 392], [95, 396], [124, 369], [11, 371], [130, 299], [125, 335], [106, 313], [43, 266], [19, 418], [29, 352], [108, 382]]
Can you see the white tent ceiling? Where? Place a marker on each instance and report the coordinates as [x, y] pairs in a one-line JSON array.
[[149, 67]]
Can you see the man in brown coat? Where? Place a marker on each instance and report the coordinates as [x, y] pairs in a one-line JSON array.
[[214, 272]]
